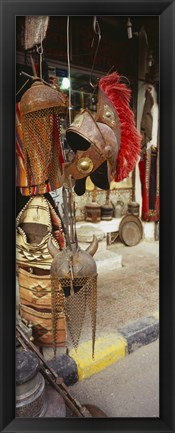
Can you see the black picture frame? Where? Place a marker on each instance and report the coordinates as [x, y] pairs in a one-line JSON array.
[[166, 11]]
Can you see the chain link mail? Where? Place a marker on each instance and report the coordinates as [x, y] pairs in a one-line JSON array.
[[85, 295], [41, 130], [57, 300]]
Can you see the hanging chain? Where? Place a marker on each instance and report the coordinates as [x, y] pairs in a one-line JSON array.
[[97, 31], [40, 52], [68, 64]]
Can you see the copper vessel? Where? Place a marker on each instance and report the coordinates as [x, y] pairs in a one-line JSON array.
[[93, 212], [134, 208], [107, 212], [119, 209]]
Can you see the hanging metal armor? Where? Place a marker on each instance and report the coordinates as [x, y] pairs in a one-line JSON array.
[[41, 110], [75, 271]]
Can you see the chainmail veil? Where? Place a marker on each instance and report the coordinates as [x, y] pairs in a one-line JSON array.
[[74, 274], [75, 309], [41, 110], [74, 306]]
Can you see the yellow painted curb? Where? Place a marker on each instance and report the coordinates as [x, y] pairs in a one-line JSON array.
[[108, 349]]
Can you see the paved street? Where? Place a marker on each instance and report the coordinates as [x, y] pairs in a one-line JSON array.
[[128, 388]]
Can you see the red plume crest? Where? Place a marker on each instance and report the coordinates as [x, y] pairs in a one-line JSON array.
[[130, 144]]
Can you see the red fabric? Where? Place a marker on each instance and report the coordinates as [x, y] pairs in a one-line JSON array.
[[130, 144], [145, 196], [59, 236]]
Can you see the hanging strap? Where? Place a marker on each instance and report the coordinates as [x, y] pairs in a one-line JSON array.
[[66, 217]]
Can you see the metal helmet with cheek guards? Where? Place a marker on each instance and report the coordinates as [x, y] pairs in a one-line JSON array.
[[95, 141], [108, 155]]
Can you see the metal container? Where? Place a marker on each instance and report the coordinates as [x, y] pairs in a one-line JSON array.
[[119, 209], [30, 386], [93, 212], [107, 212], [134, 208]]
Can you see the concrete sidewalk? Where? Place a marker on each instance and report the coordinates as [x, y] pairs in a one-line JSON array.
[[127, 314]]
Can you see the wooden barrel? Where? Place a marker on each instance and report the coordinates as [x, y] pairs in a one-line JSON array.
[[93, 212], [30, 386], [130, 230], [42, 326], [107, 212], [134, 208]]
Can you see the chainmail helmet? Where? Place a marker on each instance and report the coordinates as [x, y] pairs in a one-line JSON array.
[[96, 142], [42, 107], [74, 271]]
